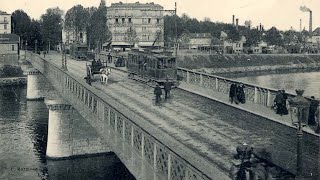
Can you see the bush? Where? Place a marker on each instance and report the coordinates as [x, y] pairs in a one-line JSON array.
[[10, 71]]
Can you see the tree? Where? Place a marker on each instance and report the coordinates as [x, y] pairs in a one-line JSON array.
[[99, 32], [184, 39], [131, 36], [273, 37], [52, 26], [77, 20], [253, 37], [21, 23]]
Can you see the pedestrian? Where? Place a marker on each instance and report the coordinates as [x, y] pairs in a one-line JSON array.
[[109, 58], [44, 54], [167, 89], [317, 119], [233, 94], [284, 102], [158, 93], [278, 100], [240, 93], [312, 110]]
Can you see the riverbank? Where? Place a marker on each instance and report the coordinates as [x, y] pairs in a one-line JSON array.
[[13, 81], [243, 63]]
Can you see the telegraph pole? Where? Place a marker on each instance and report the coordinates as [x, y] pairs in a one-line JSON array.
[[176, 28]]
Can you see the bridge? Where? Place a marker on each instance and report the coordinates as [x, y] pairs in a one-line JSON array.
[[191, 137]]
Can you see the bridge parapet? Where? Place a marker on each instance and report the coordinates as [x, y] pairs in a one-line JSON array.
[[253, 93], [147, 152]]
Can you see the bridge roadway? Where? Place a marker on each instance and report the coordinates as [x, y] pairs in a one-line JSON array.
[[210, 128]]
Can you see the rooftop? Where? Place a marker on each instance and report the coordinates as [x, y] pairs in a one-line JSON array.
[[136, 5], [200, 35], [3, 13], [9, 38], [316, 32]]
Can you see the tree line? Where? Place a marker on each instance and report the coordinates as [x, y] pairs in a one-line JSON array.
[[272, 36], [47, 31]]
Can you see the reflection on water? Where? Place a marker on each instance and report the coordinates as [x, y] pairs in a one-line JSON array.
[[23, 138], [309, 81]]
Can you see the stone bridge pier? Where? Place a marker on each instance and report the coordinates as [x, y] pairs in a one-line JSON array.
[[69, 134]]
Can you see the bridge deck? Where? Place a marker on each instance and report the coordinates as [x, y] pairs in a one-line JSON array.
[[210, 128]]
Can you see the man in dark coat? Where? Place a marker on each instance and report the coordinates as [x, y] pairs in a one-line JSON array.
[[240, 93], [167, 89], [312, 110], [278, 100], [284, 102], [233, 93], [158, 93], [109, 58]]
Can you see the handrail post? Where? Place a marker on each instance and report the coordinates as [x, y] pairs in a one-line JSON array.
[[269, 99], [188, 77], [256, 95], [217, 84]]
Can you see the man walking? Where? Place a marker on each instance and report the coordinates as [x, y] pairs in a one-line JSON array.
[[158, 93], [167, 89]]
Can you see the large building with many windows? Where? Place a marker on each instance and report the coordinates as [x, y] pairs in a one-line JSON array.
[[5, 23], [136, 23]]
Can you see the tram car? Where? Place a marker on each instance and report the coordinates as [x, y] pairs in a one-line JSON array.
[[154, 67]]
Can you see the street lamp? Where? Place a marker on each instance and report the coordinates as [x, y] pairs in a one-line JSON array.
[[299, 110], [25, 50]]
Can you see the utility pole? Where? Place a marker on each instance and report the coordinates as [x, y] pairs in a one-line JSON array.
[[25, 51], [176, 28]]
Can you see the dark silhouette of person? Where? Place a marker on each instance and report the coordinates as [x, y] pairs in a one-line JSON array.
[[233, 94], [240, 93], [312, 110], [167, 89], [278, 100], [158, 93], [284, 102]]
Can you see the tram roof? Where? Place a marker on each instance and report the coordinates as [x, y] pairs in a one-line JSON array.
[[152, 53]]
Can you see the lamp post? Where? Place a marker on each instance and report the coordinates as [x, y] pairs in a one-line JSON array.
[[25, 51], [299, 110], [36, 46]]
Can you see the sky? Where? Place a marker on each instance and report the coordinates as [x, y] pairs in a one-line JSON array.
[[282, 14]]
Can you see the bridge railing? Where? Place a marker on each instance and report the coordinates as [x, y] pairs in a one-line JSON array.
[[253, 93], [143, 139]]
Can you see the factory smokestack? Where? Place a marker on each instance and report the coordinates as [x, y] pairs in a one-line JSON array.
[[300, 25], [306, 9], [237, 24], [232, 20], [310, 23], [260, 27]]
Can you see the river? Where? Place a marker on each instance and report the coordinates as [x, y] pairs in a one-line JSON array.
[[309, 81], [23, 138]]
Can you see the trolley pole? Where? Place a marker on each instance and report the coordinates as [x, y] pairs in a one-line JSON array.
[[176, 29], [25, 50]]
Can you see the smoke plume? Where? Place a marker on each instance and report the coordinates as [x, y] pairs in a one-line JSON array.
[[304, 9]]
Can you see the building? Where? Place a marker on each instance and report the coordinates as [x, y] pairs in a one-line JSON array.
[[5, 23], [9, 48], [136, 23], [231, 47], [200, 41], [70, 37]]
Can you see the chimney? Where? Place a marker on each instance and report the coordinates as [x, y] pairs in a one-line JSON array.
[[260, 27], [237, 24], [257, 27], [232, 20], [310, 23], [300, 25]]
